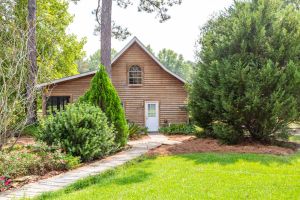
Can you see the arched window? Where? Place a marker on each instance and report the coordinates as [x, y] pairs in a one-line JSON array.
[[135, 75]]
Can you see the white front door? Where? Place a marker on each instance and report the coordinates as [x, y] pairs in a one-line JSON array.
[[151, 115]]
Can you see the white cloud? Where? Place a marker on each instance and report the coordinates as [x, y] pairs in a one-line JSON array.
[[179, 33]]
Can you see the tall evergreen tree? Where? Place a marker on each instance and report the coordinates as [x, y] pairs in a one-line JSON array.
[[248, 80], [103, 94]]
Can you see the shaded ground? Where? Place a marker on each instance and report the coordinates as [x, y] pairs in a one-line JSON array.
[[26, 140], [193, 145], [19, 182], [22, 140]]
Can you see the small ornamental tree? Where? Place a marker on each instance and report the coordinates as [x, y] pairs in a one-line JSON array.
[[103, 94], [248, 77]]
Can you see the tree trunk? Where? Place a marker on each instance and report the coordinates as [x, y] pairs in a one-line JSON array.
[[106, 35], [32, 64]]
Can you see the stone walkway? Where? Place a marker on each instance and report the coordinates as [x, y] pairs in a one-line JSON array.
[[139, 148]]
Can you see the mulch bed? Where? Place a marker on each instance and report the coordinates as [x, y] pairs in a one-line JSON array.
[[26, 140], [196, 145], [21, 181], [189, 144]]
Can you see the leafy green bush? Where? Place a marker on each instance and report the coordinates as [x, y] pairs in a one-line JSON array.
[[249, 75], [173, 129], [81, 130], [135, 130], [35, 159], [103, 94]]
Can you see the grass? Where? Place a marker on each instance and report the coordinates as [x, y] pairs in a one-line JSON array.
[[193, 176], [295, 138], [30, 130]]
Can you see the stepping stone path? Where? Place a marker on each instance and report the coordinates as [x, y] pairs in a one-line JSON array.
[[139, 148]]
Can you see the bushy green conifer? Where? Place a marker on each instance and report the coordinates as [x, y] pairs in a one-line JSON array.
[[248, 79], [103, 94]]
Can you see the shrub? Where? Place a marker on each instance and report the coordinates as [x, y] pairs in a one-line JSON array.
[[35, 159], [135, 130], [249, 75], [81, 130], [173, 129], [103, 94], [227, 133]]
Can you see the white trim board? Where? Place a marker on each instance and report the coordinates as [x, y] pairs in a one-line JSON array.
[[132, 41]]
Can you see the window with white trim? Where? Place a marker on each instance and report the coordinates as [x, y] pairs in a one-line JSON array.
[[135, 75]]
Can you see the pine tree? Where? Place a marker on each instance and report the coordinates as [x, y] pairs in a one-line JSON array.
[[103, 94], [248, 78]]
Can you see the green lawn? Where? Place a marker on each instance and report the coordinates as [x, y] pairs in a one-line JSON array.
[[295, 138], [194, 176]]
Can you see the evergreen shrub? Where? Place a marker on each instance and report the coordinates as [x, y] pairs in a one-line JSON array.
[[80, 130], [103, 94], [248, 77], [174, 129]]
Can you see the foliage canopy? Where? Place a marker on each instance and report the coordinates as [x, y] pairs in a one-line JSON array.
[[93, 61], [57, 50], [176, 63], [57, 56], [248, 78]]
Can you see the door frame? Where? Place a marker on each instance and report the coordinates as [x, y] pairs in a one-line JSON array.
[[158, 113]]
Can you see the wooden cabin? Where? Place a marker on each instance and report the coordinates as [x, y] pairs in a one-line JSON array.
[[151, 95]]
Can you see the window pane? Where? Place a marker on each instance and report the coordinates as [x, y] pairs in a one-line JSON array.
[[135, 75], [151, 110]]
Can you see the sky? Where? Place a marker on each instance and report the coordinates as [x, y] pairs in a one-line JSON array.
[[179, 33]]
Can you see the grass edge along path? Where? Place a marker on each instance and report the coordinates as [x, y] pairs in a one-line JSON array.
[[193, 176]]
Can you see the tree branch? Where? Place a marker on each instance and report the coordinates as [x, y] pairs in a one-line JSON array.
[[161, 7]]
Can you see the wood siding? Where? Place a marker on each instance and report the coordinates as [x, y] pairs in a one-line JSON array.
[[157, 85], [73, 88]]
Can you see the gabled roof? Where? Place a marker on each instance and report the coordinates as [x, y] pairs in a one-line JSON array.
[[132, 41]]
